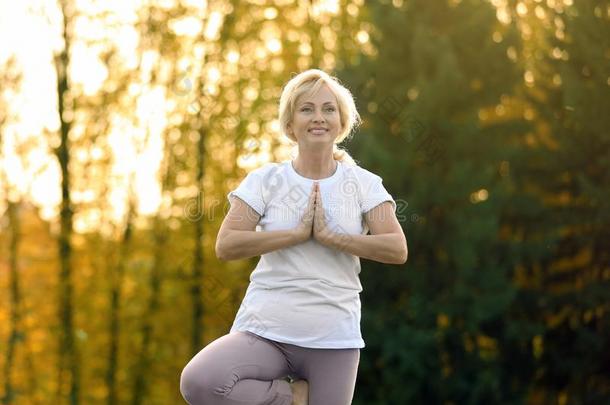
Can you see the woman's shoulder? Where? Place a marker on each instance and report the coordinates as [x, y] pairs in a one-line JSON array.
[[361, 173], [266, 168]]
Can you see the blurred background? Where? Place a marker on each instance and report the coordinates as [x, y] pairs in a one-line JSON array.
[[124, 124]]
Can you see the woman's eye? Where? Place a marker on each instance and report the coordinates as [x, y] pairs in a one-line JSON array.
[[331, 109]]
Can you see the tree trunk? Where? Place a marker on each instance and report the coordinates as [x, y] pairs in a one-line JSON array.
[[143, 362], [198, 258], [15, 334], [142, 369], [68, 354], [116, 278]]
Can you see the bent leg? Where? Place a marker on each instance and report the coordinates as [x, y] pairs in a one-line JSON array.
[[236, 369], [331, 374]]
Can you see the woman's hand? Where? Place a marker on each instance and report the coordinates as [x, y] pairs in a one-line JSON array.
[[313, 220], [321, 232], [305, 227]]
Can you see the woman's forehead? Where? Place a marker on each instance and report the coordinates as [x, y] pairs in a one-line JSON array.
[[323, 96]]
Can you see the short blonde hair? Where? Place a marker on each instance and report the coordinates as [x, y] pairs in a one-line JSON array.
[[308, 83]]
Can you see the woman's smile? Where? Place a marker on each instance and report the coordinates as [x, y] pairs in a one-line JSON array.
[[318, 131]]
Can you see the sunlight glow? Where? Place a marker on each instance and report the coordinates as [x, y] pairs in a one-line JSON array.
[[213, 75], [479, 196], [270, 13], [503, 15], [305, 49], [324, 7], [233, 56], [274, 45], [212, 30], [187, 26], [362, 36]]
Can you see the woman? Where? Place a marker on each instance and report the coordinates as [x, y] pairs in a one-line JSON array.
[[300, 317]]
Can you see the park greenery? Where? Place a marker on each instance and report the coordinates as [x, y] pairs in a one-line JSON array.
[[487, 120]]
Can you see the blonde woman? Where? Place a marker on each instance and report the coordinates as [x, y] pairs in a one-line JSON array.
[[296, 338]]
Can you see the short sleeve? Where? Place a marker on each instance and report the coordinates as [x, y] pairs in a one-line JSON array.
[[375, 194], [250, 191]]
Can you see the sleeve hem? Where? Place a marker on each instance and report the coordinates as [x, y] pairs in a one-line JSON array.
[[249, 199], [371, 203]]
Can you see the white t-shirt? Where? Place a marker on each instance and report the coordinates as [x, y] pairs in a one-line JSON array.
[[307, 294]]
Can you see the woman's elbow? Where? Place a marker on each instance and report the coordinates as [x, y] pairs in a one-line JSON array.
[[395, 258], [403, 253], [221, 251]]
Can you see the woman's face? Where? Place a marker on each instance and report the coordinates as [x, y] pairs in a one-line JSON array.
[[316, 118]]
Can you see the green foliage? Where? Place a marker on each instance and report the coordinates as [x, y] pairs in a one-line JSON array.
[[471, 318]]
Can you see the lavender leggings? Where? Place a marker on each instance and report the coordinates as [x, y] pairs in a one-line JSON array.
[[242, 368]]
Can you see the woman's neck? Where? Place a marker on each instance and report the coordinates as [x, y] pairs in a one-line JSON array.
[[316, 167]]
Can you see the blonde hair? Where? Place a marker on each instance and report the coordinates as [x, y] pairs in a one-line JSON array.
[[308, 83]]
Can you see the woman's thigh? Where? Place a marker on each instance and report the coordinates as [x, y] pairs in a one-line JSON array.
[[237, 366], [331, 374]]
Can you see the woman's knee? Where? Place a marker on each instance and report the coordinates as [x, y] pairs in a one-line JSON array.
[[195, 384]]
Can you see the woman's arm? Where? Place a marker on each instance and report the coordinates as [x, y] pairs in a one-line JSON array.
[[245, 244], [238, 239], [386, 248], [386, 244]]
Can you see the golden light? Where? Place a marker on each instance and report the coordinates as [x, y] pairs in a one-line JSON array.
[[274, 46], [305, 49], [270, 13], [521, 9], [233, 57], [479, 196], [260, 53], [352, 10], [362, 36], [250, 93], [213, 75], [212, 30], [324, 7], [503, 15], [500, 110], [187, 26], [413, 93], [45, 191]]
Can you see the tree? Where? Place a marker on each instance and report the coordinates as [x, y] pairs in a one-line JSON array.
[[440, 130], [69, 361], [10, 80], [566, 272]]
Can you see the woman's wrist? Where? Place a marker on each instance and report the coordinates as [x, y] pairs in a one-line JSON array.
[[298, 236], [327, 238]]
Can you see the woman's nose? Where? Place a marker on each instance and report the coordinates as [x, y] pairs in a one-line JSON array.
[[318, 117]]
